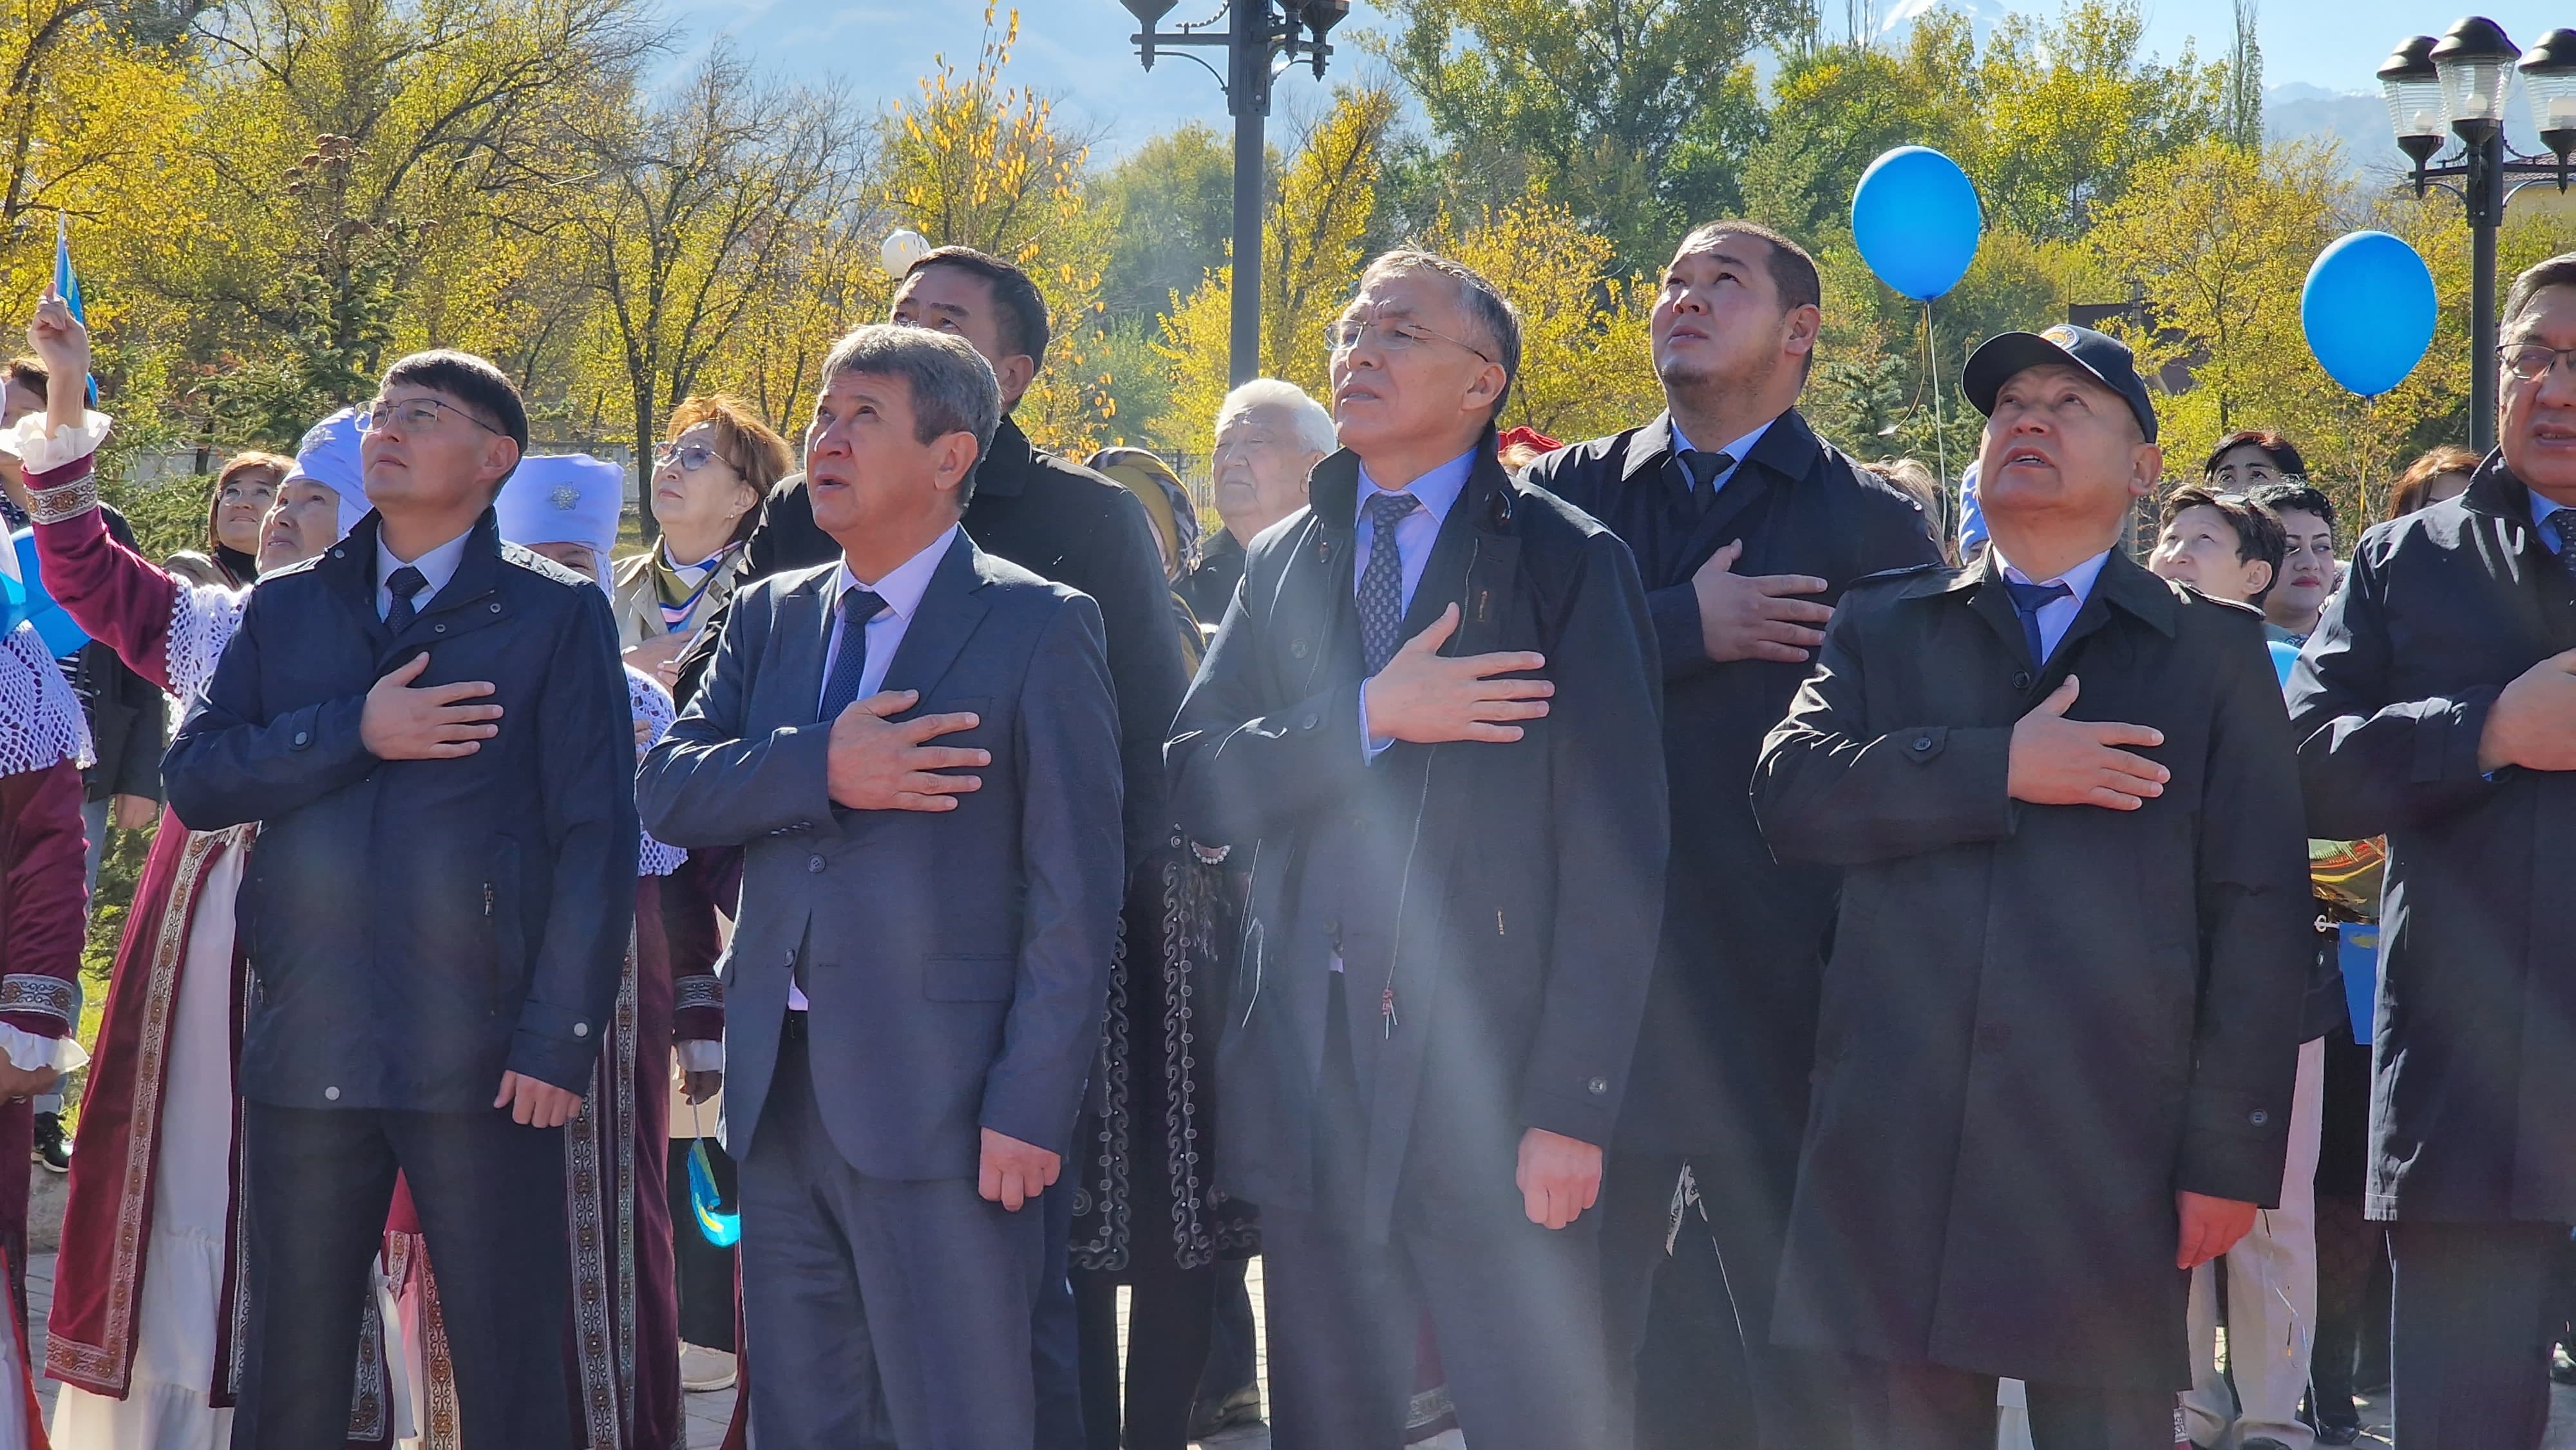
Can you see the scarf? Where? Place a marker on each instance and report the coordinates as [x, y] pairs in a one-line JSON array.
[[681, 588]]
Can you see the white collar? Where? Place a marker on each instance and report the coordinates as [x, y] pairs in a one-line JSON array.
[[2078, 580]]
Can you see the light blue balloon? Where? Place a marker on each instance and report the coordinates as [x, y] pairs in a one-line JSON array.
[[1916, 221], [2369, 309]]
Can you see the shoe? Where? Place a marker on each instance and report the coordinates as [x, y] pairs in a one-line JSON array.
[[1243, 1407], [2261, 1442], [52, 1148], [2339, 1434], [704, 1371]]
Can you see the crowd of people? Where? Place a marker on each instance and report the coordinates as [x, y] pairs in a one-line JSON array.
[[1654, 941]]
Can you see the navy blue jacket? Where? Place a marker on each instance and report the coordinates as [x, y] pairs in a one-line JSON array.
[[415, 927]]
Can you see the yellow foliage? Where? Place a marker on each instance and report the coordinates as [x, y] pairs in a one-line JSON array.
[[1586, 364]]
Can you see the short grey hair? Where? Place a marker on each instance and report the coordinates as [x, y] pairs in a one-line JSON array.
[[2558, 271], [1486, 303], [1312, 422], [953, 388]]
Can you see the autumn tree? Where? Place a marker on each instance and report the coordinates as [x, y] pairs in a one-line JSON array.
[[699, 210], [1314, 238], [1586, 362]]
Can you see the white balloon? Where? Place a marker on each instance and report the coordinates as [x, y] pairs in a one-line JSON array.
[[903, 247]]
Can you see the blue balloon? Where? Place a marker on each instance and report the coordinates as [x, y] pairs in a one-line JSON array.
[[1916, 222], [27, 600], [2368, 310]]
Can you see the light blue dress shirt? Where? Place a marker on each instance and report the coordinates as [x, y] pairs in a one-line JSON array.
[[2058, 615], [437, 566], [1739, 450]]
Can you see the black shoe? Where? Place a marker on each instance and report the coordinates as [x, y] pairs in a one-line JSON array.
[[52, 1148], [2339, 1434], [1243, 1407]]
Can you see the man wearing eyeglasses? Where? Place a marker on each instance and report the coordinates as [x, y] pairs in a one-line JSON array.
[[1430, 721], [432, 729], [2437, 703]]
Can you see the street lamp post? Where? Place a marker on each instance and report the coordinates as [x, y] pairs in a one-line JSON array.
[[2458, 83], [1256, 35]]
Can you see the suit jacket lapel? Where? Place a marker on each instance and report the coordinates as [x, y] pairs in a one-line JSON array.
[[946, 618], [1450, 549], [803, 632]]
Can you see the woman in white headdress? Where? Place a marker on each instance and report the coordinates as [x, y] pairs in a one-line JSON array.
[[624, 1355]]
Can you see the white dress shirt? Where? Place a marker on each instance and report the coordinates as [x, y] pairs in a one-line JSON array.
[[901, 589], [437, 566], [2057, 615]]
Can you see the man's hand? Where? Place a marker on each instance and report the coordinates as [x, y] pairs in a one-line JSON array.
[[429, 723], [2210, 1227], [536, 1104], [1427, 699], [698, 1087], [2533, 723], [660, 655], [1559, 1177], [131, 812], [2060, 762], [1757, 616], [880, 767], [1013, 1172]]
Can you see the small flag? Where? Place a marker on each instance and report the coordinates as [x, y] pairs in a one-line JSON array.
[[67, 285]]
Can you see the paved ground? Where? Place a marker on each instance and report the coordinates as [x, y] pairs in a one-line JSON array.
[[708, 1413]]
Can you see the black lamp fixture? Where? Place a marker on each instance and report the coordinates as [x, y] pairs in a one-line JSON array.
[[1256, 36], [2455, 87]]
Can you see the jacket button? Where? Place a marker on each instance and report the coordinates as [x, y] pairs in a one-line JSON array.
[[331, 1094], [791, 960], [438, 629], [581, 1029], [814, 865], [2021, 680], [496, 606], [2258, 1117], [1597, 1086], [1308, 723], [1297, 648], [1922, 743], [303, 737]]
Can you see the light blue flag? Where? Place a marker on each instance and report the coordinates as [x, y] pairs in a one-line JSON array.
[[67, 285]]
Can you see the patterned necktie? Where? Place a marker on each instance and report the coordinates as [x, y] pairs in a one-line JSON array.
[[1703, 470], [1382, 582], [2564, 521], [2028, 600], [404, 582], [858, 606]]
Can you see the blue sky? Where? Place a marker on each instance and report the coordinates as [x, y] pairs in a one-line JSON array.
[[1077, 50]]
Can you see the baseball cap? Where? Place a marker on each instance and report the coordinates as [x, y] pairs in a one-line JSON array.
[[2108, 359]]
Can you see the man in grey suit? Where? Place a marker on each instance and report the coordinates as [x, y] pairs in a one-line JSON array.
[[916, 983]]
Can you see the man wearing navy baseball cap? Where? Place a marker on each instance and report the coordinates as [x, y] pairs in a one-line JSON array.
[[2061, 1018]]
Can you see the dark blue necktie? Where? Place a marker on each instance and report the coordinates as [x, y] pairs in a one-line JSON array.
[[841, 689], [1702, 470], [2564, 521], [2028, 600], [404, 583], [1382, 580]]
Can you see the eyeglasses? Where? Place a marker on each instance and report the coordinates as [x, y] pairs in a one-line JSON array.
[[692, 456], [1393, 335], [413, 413], [2529, 361]]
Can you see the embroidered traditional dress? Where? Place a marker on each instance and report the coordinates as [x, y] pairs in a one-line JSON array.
[[624, 1355], [147, 1302]]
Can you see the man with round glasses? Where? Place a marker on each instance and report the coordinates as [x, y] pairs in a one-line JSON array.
[[2437, 704]]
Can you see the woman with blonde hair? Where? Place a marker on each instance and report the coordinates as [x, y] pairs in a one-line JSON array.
[[709, 476]]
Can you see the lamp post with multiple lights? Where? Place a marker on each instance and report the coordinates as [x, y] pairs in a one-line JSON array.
[[2455, 87], [1256, 36]]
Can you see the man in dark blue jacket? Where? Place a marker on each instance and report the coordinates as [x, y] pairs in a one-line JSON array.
[[432, 728]]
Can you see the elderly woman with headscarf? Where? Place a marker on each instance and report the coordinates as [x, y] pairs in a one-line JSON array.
[[624, 1350], [146, 1283]]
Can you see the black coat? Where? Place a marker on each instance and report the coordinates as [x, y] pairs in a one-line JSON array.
[[128, 714], [1731, 1020], [414, 927], [1063, 522], [2474, 1108], [1503, 898], [1208, 585], [2039, 1022]]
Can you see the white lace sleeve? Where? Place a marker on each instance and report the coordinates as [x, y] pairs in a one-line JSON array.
[[41, 724], [203, 619], [654, 712], [27, 441]]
